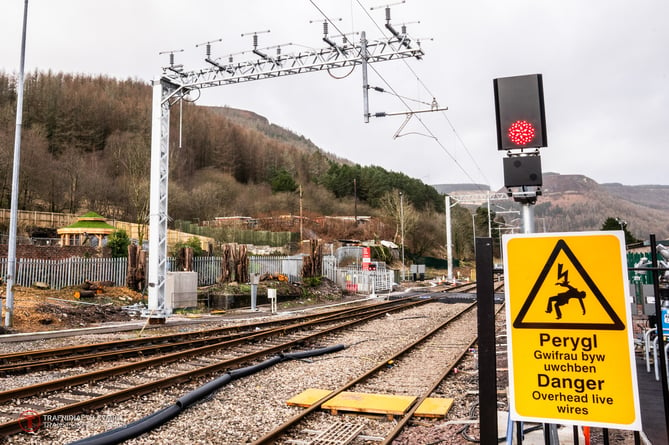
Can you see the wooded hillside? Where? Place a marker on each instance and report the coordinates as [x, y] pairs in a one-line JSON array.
[[86, 145]]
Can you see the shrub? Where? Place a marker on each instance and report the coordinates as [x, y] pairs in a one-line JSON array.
[[118, 242]]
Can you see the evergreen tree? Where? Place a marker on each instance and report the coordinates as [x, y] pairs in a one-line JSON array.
[[282, 181], [615, 223], [118, 242]]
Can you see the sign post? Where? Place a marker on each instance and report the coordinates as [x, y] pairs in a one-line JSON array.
[[571, 356]]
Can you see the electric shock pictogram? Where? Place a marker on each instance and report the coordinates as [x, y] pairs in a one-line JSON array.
[[556, 301]]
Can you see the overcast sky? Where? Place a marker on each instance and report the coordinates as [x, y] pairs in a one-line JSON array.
[[605, 66]]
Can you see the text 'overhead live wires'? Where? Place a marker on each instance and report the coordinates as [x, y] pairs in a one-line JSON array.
[[408, 107]]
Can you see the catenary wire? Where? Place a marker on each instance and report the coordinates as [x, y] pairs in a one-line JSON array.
[[457, 135], [443, 147]]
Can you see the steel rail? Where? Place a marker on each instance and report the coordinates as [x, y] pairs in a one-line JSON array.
[[26, 357], [470, 287], [141, 351], [165, 343], [447, 370], [462, 287], [14, 426], [94, 376]]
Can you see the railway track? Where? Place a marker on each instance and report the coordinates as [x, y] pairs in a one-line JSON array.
[[409, 374], [86, 391], [23, 362], [140, 374]]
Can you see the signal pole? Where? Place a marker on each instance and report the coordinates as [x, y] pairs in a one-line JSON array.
[[521, 129]]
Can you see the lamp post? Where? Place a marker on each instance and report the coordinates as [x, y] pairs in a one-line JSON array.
[[622, 223], [402, 229], [13, 218]]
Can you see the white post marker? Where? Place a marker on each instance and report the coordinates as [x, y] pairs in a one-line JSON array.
[[571, 354]]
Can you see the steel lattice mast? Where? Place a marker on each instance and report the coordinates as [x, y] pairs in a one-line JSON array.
[[175, 83]]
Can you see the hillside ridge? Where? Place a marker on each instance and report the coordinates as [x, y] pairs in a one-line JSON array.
[[575, 202]]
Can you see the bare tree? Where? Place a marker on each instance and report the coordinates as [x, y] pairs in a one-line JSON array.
[[131, 159], [35, 167], [394, 208]]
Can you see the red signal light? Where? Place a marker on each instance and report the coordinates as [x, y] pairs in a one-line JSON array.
[[519, 112], [521, 132]]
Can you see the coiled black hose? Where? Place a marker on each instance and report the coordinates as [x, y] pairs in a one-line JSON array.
[[164, 415]]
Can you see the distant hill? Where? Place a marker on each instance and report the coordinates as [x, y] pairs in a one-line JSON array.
[[578, 203], [653, 196]]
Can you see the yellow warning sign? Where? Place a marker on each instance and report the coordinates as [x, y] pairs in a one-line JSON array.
[[571, 348]]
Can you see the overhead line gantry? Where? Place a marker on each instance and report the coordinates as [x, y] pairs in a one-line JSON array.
[[175, 84]]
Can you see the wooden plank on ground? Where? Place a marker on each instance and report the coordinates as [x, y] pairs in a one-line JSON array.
[[370, 403], [387, 404], [434, 407]]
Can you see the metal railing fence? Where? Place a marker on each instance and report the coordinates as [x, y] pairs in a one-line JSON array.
[[355, 279], [73, 271], [67, 272]]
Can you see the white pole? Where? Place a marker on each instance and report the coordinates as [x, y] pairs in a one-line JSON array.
[[11, 249], [402, 230], [157, 273], [365, 85], [527, 211], [449, 243]]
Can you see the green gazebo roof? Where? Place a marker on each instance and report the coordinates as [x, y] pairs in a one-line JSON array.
[[90, 220]]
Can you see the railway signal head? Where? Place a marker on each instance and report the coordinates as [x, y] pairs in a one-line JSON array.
[[519, 112]]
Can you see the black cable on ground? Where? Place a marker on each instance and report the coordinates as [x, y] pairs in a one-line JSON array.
[[164, 415]]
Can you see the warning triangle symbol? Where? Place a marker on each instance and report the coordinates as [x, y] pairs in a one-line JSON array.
[[567, 302]]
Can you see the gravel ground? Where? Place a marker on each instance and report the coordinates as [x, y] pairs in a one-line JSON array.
[[248, 408]]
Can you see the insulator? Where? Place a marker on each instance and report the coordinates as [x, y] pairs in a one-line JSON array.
[[278, 51], [255, 40], [171, 59], [230, 59], [404, 29], [208, 50], [388, 14]]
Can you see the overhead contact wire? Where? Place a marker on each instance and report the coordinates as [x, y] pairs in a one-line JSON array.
[[457, 135]]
